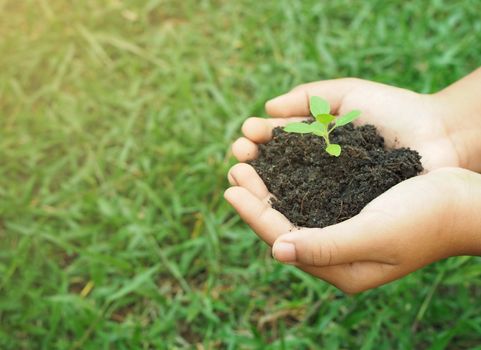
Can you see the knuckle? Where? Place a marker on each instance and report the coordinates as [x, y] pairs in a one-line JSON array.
[[316, 256], [322, 254], [330, 251]]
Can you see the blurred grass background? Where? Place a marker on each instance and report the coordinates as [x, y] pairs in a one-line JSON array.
[[115, 120]]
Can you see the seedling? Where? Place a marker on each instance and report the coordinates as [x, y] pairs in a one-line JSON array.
[[322, 127]]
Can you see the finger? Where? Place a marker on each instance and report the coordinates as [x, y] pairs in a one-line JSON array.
[[266, 222], [296, 101], [244, 175], [244, 149], [361, 238], [355, 277], [259, 130]]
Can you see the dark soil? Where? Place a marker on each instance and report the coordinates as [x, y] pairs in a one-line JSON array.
[[314, 189]]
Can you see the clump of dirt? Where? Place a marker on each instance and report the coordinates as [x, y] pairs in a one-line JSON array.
[[314, 189]]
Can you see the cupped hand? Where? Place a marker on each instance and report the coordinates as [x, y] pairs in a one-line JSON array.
[[398, 232], [403, 117], [411, 225]]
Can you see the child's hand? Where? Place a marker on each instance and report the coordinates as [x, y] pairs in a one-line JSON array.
[[416, 222], [419, 221], [403, 117]]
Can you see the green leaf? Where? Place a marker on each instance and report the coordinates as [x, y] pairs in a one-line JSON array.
[[333, 150], [347, 118], [318, 106], [318, 129], [325, 118], [300, 128]]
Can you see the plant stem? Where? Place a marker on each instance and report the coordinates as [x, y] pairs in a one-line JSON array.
[[326, 138]]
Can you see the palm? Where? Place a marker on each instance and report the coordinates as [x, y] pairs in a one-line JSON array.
[[406, 119]]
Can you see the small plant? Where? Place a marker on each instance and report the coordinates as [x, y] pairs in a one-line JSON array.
[[320, 110]]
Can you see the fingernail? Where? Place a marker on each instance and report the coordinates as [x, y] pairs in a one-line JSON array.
[[284, 252]]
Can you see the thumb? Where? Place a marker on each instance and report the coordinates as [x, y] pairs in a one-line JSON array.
[[361, 238], [295, 103]]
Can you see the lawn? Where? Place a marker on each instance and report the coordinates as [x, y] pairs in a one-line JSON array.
[[115, 123]]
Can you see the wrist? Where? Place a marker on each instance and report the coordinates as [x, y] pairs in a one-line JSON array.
[[463, 225], [459, 106]]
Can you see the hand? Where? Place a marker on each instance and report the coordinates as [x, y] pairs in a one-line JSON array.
[[419, 221], [405, 119]]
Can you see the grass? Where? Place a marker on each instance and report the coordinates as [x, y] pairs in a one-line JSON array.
[[115, 120]]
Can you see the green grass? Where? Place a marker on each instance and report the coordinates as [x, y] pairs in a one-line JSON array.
[[115, 121]]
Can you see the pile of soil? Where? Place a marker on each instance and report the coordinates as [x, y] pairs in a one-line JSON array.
[[314, 189]]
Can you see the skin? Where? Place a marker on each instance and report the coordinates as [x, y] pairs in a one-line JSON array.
[[424, 219]]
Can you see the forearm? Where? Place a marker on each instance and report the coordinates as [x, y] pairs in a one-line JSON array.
[[460, 106]]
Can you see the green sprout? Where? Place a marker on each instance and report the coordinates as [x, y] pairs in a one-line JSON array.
[[320, 110]]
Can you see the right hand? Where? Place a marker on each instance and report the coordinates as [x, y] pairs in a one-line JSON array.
[[421, 220]]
